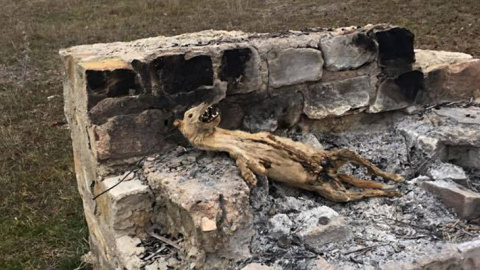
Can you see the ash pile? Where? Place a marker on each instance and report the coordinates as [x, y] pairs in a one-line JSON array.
[[225, 225]]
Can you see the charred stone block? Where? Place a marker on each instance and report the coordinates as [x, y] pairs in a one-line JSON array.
[[395, 50], [350, 51], [240, 68], [336, 98], [180, 78], [398, 93], [126, 136], [115, 83], [279, 110]]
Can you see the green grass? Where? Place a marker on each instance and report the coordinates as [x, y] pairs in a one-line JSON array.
[[41, 220]]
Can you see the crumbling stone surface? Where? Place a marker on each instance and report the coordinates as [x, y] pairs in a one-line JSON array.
[[126, 209], [205, 199], [279, 225], [321, 225], [129, 250], [465, 202]]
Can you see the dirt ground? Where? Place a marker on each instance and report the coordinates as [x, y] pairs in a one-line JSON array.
[[41, 220]]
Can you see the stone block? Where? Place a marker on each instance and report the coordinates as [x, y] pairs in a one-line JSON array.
[[336, 98], [126, 136], [427, 60], [395, 50], [465, 202], [453, 82], [447, 171], [241, 68], [294, 66], [127, 208], [350, 51], [398, 93], [321, 225], [204, 198], [280, 110]]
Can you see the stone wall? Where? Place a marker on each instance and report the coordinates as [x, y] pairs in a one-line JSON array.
[[122, 98]]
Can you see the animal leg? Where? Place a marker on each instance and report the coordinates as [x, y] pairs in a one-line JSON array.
[[352, 156], [329, 192], [246, 172], [352, 180]]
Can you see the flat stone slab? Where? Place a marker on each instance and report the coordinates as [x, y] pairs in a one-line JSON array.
[[465, 202]]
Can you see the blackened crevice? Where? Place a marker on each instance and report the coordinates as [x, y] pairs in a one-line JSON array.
[[116, 83], [176, 75], [395, 51], [232, 68], [396, 43], [411, 84]]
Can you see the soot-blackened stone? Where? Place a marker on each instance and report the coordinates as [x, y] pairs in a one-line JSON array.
[[175, 74], [116, 83], [396, 43], [396, 53], [233, 66]]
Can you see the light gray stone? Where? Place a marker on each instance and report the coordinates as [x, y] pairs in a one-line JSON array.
[[460, 115], [321, 225], [126, 209], [350, 51], [447, 171], [336, 98], [465, 202], [427, 60], [257, 266], [279, 225], [129, 251], [311, 140], [294, 66], [465, 156]]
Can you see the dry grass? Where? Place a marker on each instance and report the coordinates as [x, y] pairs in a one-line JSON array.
[[41, 222]]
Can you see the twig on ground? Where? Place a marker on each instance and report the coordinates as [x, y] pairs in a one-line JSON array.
[[163, 239], [365, 249]]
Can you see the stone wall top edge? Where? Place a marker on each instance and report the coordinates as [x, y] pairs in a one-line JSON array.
[[141, 48]]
